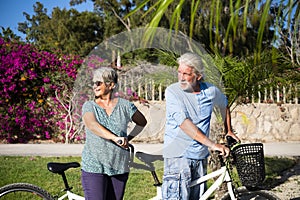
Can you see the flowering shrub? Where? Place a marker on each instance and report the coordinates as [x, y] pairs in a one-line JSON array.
[[41, 93], [31, 80]]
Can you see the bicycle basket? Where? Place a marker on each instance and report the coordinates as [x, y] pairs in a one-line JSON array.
[[250, 165]]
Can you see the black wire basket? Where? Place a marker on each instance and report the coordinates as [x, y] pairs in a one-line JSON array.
[[250, 164]]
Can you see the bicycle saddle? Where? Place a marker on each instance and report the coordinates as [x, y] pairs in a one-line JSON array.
[[147, 158], [61, 167]]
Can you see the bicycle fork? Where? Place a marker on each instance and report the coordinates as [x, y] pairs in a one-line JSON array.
[[230, 187]]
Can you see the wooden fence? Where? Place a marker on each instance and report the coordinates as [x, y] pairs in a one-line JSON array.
[[284, 94], [146, 89], [151, 91]]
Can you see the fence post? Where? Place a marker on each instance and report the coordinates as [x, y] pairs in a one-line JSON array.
[[146, 90], [125, 84], [277, 94], [132, 85], [284, 94], [160, 92], [271, 95], [118, 60], [290, 94], [120, 84], [296, 94], [259, 94], [265, 95], [153, 90], [252, 94], [139, 89]]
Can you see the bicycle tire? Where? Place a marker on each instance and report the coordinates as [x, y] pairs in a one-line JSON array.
[[245, 194], [24, 191]]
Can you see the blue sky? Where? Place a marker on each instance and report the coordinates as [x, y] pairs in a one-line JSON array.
[[11, 11]]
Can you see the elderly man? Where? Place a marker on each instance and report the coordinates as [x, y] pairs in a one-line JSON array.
[[189, 106]]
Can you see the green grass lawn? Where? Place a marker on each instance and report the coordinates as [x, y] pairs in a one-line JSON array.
[[140, 184], [34, 170]]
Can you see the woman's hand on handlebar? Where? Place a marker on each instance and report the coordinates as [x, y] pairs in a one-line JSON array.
[[122, 142]]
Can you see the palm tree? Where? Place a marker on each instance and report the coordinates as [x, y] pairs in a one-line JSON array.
[[225, 24]]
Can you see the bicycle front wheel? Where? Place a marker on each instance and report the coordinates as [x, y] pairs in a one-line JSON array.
[[244, 194], [24, 191]]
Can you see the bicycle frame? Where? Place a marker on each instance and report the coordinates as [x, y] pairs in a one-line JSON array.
[[223, 176], [71, 196]]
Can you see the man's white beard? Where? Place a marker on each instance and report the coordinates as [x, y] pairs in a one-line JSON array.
[[187, 87]]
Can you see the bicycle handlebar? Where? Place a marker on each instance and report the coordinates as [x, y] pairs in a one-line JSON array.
[[230, 143], [119, 141]]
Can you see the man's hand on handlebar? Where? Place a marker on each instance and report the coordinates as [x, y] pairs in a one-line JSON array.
[[231, 140], [222, 149], [231, 134]]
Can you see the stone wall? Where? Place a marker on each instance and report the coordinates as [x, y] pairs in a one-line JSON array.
[[267, 122], [252, 122], [156, 119]]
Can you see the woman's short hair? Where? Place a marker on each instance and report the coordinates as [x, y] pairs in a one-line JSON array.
[[105, 75], [194, 61]]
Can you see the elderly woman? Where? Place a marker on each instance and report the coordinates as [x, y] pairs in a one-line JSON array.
[[105, 156]]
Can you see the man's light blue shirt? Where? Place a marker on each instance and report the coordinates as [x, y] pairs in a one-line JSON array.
[[197, 107]]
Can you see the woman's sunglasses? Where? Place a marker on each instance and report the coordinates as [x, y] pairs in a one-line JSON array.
[[97, 83]]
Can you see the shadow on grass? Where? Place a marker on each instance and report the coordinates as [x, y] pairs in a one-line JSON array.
[[280, 169]]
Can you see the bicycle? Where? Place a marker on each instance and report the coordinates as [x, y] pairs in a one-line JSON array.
[[223, 175]]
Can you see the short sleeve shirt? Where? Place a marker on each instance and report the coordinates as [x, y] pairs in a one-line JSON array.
[[100, 155], [181, 105]]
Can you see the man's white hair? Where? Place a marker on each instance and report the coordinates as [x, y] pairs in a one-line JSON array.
[[194, 61]]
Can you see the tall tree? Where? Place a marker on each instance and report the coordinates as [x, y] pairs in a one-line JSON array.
[[67, 30], [114, 11], [7, 34], [288, 27]]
